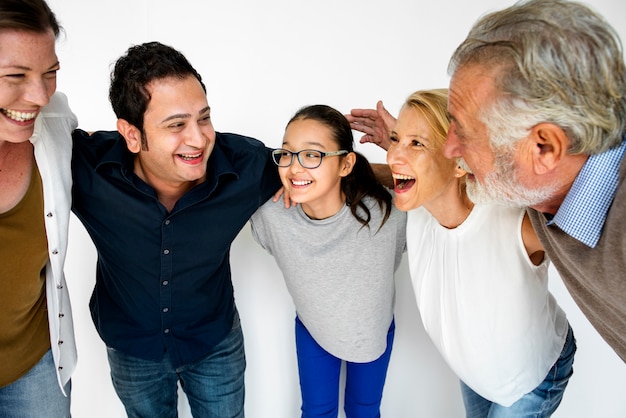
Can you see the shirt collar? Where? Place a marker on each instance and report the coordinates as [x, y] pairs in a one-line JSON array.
[[219, 164], [583, 212], [117, 153]]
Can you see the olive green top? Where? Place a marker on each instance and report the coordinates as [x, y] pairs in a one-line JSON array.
[[24, 334]]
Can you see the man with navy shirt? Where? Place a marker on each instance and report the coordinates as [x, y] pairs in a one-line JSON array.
[[163, 198]]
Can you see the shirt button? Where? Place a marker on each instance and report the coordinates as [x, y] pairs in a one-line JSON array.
[[166, 309], [166, 252], [165, 283], [55, 252], [167, 222], [166, 330], [49, 214]]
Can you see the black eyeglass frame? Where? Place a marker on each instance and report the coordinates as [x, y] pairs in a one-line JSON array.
[[278, 153]]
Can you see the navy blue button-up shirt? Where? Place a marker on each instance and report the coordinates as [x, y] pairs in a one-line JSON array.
[[163, 281]]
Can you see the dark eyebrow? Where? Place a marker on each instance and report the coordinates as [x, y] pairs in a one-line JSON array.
[[185, 115], [314, 144], [177, 116]]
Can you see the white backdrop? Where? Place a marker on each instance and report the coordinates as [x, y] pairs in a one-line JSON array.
[[261, 61]]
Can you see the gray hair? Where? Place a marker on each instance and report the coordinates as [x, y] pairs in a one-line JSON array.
[[558, 62]]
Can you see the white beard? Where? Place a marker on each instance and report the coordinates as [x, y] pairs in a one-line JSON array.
[[502, 187]]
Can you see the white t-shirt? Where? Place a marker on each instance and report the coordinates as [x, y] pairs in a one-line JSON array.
[[486, 307]]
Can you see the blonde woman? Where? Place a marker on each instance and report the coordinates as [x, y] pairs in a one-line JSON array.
[[478, 271]]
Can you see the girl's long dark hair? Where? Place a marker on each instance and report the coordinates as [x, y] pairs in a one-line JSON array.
[[361, 181]]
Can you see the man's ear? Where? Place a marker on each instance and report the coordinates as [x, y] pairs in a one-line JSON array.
[[549, 147], [347, 164], [131, 134]]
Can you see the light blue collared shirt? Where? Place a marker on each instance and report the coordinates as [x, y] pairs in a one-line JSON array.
[[586, 205]]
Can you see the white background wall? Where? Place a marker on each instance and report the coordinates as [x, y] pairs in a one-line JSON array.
[[261, 61]]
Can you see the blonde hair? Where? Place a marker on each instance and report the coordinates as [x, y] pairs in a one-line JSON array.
[[433, 105]]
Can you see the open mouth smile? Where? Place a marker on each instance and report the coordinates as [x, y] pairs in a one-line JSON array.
[[402, 181], [19, 116], [301, 183], [190, 157]]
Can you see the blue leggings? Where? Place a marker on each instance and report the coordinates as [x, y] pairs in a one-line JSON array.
[[319, 379]]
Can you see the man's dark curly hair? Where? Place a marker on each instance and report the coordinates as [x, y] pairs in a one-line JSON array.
[[141, 65]]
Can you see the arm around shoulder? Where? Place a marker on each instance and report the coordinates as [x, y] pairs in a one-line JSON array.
[[533, 246]]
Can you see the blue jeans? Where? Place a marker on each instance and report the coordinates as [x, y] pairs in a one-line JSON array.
[[319, 379], [214, 385], [541, 402], [36, 394]]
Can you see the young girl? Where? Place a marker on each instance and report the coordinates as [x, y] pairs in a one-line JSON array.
[[338, 251]]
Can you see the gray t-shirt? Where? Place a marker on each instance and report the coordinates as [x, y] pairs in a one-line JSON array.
[[339, 273]]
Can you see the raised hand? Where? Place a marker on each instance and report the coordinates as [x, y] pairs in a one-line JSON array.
[[376, 124]]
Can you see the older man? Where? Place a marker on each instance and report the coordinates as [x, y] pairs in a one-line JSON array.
[[538, 109]]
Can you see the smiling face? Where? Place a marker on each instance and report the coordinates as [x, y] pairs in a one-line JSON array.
[[495, 175], [28, 66], [421, 173], [318, 190], [179, 136], [471, 90]]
